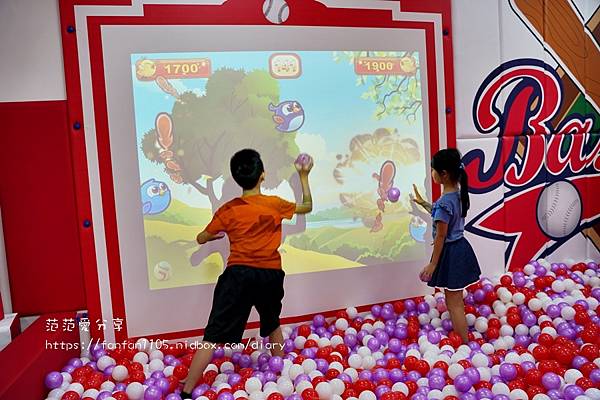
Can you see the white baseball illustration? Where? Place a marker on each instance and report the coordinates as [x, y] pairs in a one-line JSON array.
[[163, 271], [559, 209], [276, 11]]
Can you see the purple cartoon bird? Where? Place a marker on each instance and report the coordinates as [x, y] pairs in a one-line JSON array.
[[288, 115]]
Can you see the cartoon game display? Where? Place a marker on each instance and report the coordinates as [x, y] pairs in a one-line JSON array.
[[359, 114]]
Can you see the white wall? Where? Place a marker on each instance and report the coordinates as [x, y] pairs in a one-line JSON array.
[[31, 51]]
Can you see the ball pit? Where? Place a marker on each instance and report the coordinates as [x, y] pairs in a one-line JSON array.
[[534, 334]]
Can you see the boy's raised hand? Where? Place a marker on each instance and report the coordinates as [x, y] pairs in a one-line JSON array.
[[304, 168]]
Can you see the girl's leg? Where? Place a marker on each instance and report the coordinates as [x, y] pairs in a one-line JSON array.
[[456, 307]]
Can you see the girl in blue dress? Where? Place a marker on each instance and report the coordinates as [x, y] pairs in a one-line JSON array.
[[453, 264]]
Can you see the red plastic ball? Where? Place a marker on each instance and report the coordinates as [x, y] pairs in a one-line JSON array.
[[590, 351], [505, 280], [310, 394], [275, 396], [70, 395], [541, 353], [120, 396], [304, 330], [533, 377]]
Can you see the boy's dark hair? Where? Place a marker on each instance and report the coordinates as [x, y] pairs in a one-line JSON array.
[[450, 160], [246, 168]]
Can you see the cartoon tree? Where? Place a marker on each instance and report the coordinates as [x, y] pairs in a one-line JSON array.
[[233, 114], [394, 95]]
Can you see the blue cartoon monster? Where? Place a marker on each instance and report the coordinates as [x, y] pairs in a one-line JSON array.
[[156, 197], [288, 115]]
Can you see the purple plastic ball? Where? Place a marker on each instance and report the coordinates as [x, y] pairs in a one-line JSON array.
[[401, 332], [103, 395], [173, 396], [393, 194], [484, 393], [225, 396], [68, 368], [572, 391], [473, 375], [53, 380], [437, 382], [434, 337], [550, 380], [462, 383], [163, 384], [397, 375], [373, 344], [365, 374], [152, 393]]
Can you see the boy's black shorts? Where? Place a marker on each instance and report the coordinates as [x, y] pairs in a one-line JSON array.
[[238, 289]]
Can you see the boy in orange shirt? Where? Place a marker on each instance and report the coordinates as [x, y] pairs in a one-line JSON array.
[[253, 276]]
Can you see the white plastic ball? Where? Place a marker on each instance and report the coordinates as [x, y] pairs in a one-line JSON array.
[[479, 360], [568, 313], [368, 362], [367, 327], [299, 342], [168, 371], [529, 269], [352, 373], [141, 357], [487, 348], [355, 361], [211, 367], [481, 325], [337, 340], [541, 396], [456, 369], [104, 362], [364, 351], [56, 393], [435, 395], [558, 286], [500, 388], [107, 385], [337, 386], [258, 395], [517, 394], [484, 373], [314, 374], [352, 312], [120, 373], [471, 319], [367, 395], [253, 384], [286, 388], [518, 298], [302, 386], [337, 366], [76, 387], [535, 304], [309, 365], [506, 330], [156, 355], [93, 393], [156, 365], [512, 358], [295, 371], [400, 387], [324, 390], [341, 324], [572, 375]]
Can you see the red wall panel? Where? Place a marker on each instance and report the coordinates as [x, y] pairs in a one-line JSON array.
[[37, 200]]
